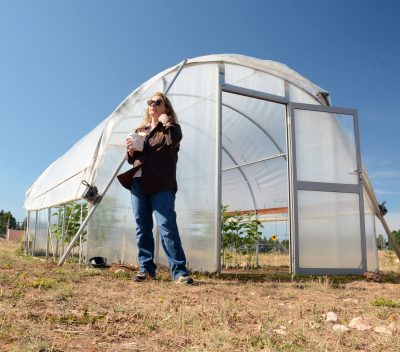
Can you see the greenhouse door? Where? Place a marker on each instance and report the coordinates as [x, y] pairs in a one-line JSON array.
[[326, 200]]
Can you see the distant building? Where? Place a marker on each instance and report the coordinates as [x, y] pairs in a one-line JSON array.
[[14, 235]]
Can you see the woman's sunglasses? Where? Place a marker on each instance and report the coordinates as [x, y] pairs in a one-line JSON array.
[[155, 102]]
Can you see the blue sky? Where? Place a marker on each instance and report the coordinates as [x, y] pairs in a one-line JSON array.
[[66, 65]]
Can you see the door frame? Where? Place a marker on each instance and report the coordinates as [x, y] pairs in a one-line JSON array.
[[295, 186], [228, 88]]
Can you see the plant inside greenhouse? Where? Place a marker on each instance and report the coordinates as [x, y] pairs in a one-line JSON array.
[[240, 234], [74, 214]]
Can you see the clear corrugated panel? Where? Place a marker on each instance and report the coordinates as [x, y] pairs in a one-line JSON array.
[[329, 230], [257, 186], [53, 239], [195, 104], [40, 241], [268, 181], [297, 95], [69, 190], [250, 78], [227, 161], [112, 229], [61, 181], [370, 235], [31, 227], [253, 130], [325, 147], [236, 193]]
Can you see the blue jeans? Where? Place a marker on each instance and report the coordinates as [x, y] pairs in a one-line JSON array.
[[163, 205]]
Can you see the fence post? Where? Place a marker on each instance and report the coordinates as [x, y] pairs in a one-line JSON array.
[[63, 228], [27, 226], [34, 235], [257, 265]]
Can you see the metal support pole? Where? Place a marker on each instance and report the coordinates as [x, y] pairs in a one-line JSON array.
[[64, 221], [58, 227], [89, 216], [68, 250], [218, 163], [389, 234], [80, 237], [34, 235], [257, 263], [122, 261], [183, 63], [381, 218], [48, 233], [27, 247]]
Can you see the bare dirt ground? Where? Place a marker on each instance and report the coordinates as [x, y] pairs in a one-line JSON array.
[[44, 307]]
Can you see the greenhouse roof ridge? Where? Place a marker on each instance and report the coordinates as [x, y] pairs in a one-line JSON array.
[[273, 67], [268, 66]]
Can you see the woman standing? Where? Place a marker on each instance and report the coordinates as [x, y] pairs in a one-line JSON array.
[[152, 182]]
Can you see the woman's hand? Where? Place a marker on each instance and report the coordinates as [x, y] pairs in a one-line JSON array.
[[164, 119], [129, 146]]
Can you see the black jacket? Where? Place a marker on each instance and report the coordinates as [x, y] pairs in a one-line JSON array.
[[158, 159]]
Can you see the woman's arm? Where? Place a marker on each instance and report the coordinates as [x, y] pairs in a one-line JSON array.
[[130, 151], [172, 131]]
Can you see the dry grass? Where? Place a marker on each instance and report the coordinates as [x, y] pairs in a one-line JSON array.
[[47, 308], [388, 261], [271, 259]]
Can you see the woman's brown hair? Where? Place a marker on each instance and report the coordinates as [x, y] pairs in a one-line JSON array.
[[168, 105]]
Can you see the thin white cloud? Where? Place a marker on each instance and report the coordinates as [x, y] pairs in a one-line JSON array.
[[374, 162], [385, 162], [375, 174], [392, 193]]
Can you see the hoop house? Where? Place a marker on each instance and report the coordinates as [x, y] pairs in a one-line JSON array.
[[258, 137]]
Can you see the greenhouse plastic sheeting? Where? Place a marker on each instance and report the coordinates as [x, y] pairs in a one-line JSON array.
[[61, 181], [253, 155]]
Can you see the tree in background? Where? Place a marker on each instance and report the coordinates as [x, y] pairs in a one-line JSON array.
[[380, 242], [6, 219], [396, 235]]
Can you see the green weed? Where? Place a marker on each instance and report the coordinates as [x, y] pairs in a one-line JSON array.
[[43, 283], [64, 295], [92, 272], [383, 302], [122, 274], [384, 313]]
